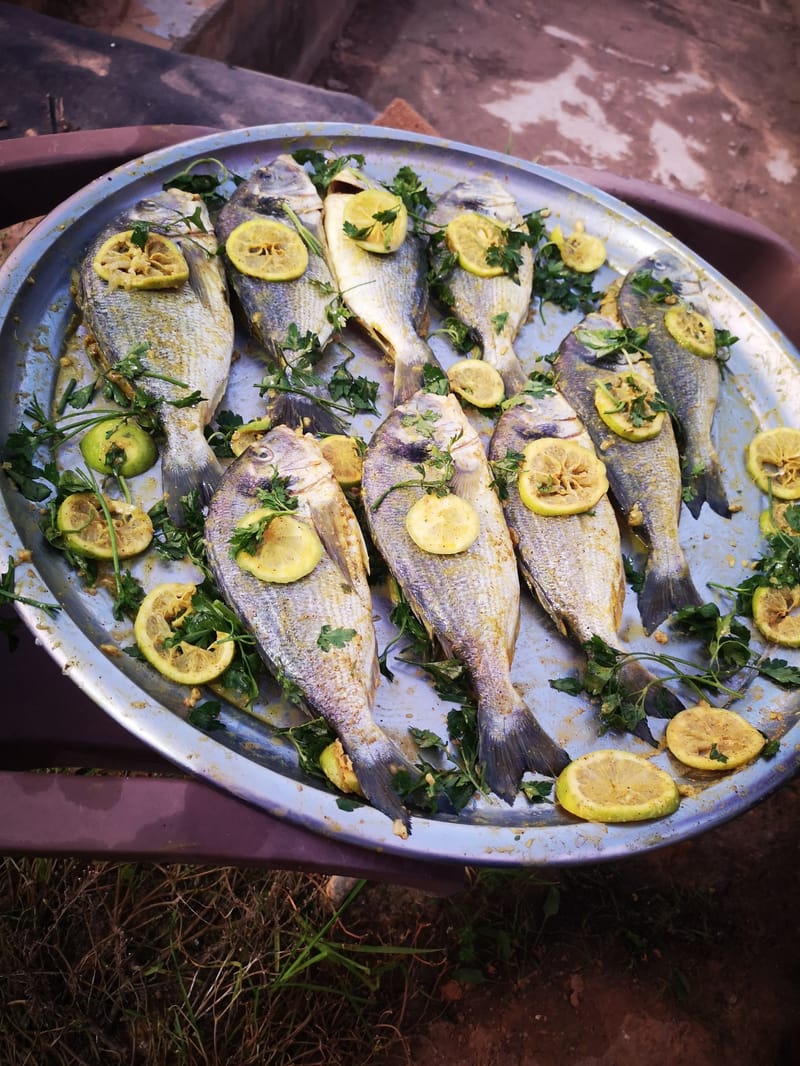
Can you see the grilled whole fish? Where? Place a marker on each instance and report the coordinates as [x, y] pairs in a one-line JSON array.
[[572, 563], [469, 601], [187, 330], [644, 476], [287, 619], [387, 294], [273, 309], [688, 382], [477, 301]]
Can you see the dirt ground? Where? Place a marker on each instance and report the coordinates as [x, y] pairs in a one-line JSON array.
[[686, 956]]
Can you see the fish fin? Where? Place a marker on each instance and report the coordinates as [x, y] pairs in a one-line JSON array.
[[409, 367], [375, 765], [511, 743], [659, 702], [707, 487], [182, 473], [664, 592], [301, 412]]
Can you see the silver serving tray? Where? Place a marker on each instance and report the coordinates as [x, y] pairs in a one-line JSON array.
[[761, 388]]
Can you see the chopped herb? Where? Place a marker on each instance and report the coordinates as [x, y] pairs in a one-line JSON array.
[[499, 321], [310, 739], [607, 342], [357, 393], [408, 186], [435, 380], [206, 186], [716, 755], [205, 716], [324, 170], [276, 499], [506, 470], [220, 434], [661, 291], [8, 595], [330, 637], [463, 338]]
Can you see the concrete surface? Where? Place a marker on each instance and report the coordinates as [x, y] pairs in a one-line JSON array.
[[698, 97]]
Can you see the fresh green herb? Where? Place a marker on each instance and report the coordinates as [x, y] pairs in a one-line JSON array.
[[181, 542], [537, 387], [206, 186], [536, 791], [331, 637], [506, 470], [140, 231], [276, 499], [220, 434], [778, 567], [659, 291], [324, 169], [385, 219], [779, 671], [205, 716], [607, 342], [310, 739], [463, 338], [304, 233], [436, 472], [633, 575], [357, 393], [435, 380], [716, 755], [499, 321], [8, 595], [408, 186], [556, 283]]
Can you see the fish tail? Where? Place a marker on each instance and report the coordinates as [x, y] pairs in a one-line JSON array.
[[511, 743], [706, 486], [376, 765], [666, 589], [409, 369], [635, 679], [184, 470], [301, 412]]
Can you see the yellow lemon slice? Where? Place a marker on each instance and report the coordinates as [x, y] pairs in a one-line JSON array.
[[248, 434], [288, 550], [691, 330], [611, 785], [478, 382], [580, 251], [560, 477], [776, 614], [336, 765], [344, 455], [773, 462], [470, 236], [376, 219], [443, 525], [86, 531], [267, 249], [712, 738], [624, 403], [159, 264], [773, 519], [120, 438], [189, 664]]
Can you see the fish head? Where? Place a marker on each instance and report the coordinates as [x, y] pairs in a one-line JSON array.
[[667, 265], [165, 209], [430, 420], [283, 181], [485, 195]]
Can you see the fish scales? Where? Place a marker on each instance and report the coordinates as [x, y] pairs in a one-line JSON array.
[[688, 382], [386, 293], [469, 601], [185, 334], [287, 619], [494, 308], [644, 476], [572, 563]]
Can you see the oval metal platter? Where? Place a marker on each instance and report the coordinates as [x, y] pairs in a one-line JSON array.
[[248, 756]]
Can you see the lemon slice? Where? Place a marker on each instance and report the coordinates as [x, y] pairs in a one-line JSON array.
[[711, 738], [773, 462], [478, 382], [86, 532], [560, 477], [267, 249], [776, 615], [773, 519], [611, 785], [344, 455], [378, 218], [336, 765], [124, 265], [580, 251], [443, 525], [691, 330], [248, 434], [118, 438], [155, 623], [625, 403], [470, 236], [289, 549]]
